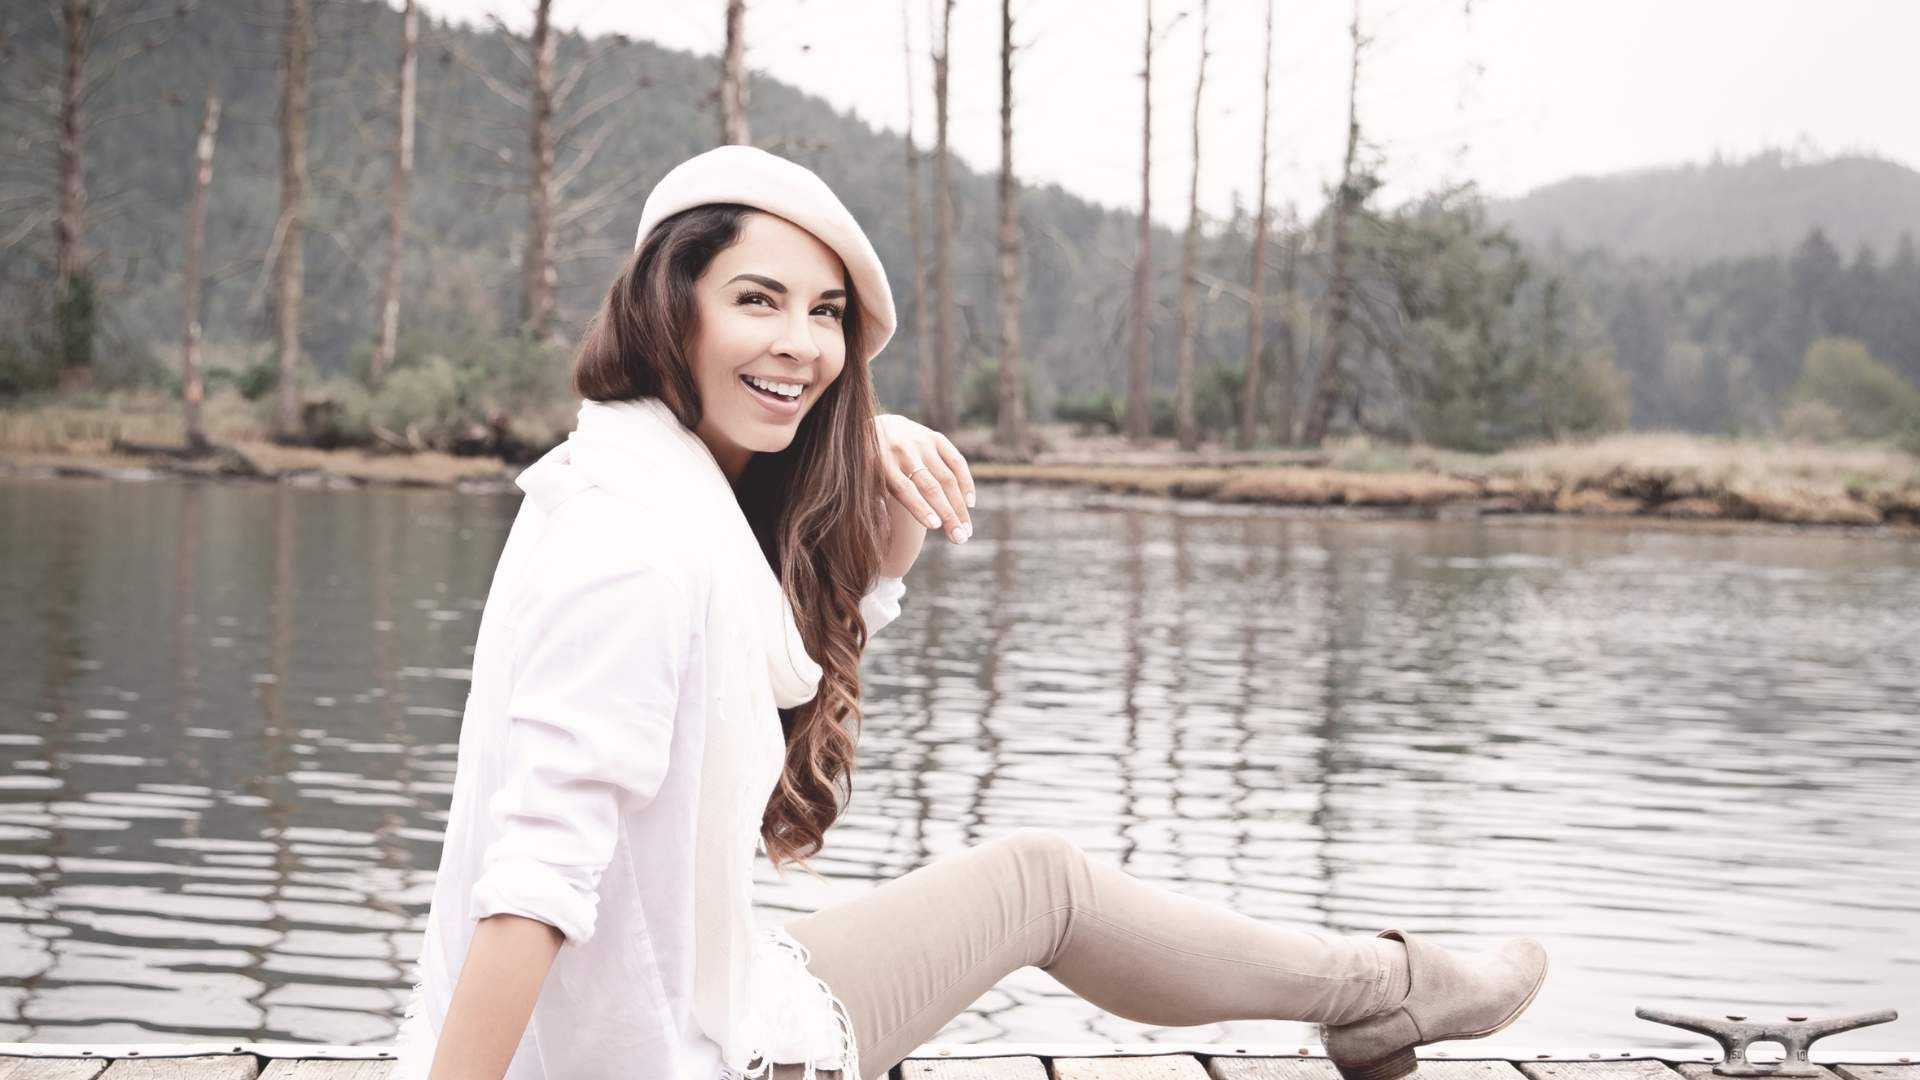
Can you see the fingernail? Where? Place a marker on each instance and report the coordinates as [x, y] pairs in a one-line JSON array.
[[963, 533], [969, 498], [933, 521]]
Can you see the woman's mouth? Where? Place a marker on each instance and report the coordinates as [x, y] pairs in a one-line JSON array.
[[773, 401]]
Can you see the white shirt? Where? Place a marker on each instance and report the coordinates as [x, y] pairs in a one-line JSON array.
[[580, 812]]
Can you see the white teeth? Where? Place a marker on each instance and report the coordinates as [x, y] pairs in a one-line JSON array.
[[791, 390]]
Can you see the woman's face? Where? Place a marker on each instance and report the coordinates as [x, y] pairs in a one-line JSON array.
[[770, 310]]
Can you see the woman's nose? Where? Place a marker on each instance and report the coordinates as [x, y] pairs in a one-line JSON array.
[[796, 340]]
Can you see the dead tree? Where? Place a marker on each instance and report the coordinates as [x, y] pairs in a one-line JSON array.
[[1326, 382], [72, 250], [1250, 388], [192, 391], [45, 127], [1139, 385], [733, 78], [539, 277], [289, 275], [1284, 421], [922, 338], [1187, 431], [1012, 425], [550, 160], [939, 408], [397, 197]]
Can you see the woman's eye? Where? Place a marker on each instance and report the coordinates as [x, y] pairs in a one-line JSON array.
[[750, 297], [831, 311]]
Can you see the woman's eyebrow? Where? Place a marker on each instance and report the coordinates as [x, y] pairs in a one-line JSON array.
[[769, 283], [764, 282]]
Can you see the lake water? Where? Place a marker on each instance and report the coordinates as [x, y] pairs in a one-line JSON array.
[[1687, 760]]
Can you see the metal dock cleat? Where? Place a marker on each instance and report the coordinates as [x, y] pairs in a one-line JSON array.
[[1736, 1034]]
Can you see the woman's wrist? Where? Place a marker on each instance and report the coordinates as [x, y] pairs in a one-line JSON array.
[[905, 536]]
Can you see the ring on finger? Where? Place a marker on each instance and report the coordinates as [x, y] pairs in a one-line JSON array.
[[932, 519]]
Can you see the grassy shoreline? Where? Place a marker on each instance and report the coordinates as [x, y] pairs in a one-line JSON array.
[[1648, 476], [1656, 476], [270, 463]]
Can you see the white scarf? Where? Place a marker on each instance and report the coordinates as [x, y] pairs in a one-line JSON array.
[[756, 661]]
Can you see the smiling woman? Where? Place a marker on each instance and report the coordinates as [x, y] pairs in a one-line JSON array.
[[676, 678], [668, 673], [765, 349], [719, 294]]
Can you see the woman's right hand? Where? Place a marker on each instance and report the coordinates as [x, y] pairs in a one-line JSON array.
[[926, 475]]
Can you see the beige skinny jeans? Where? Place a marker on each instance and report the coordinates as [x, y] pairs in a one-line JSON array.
[[911, 954]]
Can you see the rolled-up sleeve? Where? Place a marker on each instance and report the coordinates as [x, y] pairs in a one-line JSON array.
[[881, 604], [598, 657]]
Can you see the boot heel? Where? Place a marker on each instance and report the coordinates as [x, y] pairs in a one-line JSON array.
[[1392, 1067]]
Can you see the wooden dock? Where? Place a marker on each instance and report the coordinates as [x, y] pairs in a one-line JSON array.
[[1059, 1061]]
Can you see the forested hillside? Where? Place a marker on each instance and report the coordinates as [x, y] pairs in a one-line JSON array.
[[467, 221], [1709, 285], [1725, 209], [1679, 298], [1719, 345], [1714, 280]]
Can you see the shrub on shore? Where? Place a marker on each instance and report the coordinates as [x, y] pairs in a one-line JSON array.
[[1846, 394], [503, 396], [482, 394]]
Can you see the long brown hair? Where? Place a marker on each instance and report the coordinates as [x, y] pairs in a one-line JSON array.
[[817, 507]]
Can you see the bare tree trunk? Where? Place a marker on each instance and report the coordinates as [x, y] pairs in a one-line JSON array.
[[540, 277], [71, 252], [49, 87], [1326, 383], [1185, 428], [397, 198], [1256, 326], [1012, 434], [551, 154], [939, 409], [733, 78], [1139, 385], [289, 274], [922, 330], [74, 286], [191, 389], [1289, 374]]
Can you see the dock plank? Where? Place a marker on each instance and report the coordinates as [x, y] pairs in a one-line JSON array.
[[1236, 1067], [1319, 1068], [1638, 1069], [1155, 1067], [35, 1068], [1694, 1070], [992, 1068], [1475, 1069], [316, 1069], [1879, 1072], [199, 1067]]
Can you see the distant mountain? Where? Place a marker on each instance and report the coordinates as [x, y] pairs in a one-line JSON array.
[[1697, 213]]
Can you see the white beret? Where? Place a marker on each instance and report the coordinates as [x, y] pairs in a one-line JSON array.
[[752, 177]]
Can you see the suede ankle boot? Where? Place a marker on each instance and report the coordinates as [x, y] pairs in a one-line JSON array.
[[1450, 995]]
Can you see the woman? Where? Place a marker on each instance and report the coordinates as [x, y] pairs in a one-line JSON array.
[[667, 677]]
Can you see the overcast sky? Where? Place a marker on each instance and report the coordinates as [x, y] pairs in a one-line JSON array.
[[1511, 93]]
